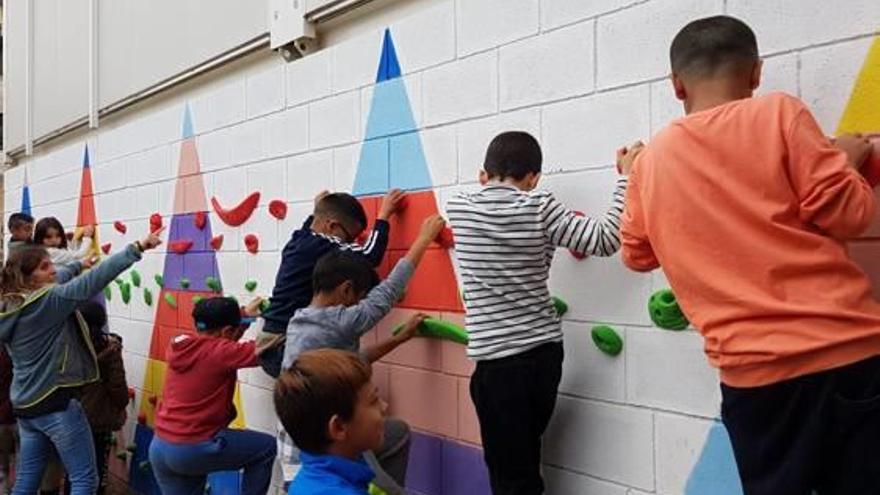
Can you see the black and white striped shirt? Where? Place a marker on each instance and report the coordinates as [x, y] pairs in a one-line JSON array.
[[504, 240]]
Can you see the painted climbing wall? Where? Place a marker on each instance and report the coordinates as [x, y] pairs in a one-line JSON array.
[[425, 381], [409, 96]]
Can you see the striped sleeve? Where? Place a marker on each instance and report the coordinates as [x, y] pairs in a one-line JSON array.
[[587, 235]]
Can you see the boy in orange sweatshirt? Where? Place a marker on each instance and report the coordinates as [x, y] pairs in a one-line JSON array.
[[746, 205]]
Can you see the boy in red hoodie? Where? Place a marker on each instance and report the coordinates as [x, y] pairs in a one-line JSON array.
[[192, 438]]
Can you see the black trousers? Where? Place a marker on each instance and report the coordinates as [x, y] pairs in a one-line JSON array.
[[819, 432], [514, 398]]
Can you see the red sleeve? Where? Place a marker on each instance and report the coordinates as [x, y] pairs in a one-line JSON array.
[[235, 355]]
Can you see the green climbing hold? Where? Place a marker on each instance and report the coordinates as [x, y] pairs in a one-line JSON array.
[[665, 312], [119, 282], [264, 305], [148, 297], [122, 455], [144, 466], [213, 283], [375, 490], [607, 340], [135, 278], [439, 329], [184, 283], [560, 306], [125, 288], [170, 299], [250, 285], [160, 280], [132, 447], [197, 299], [108, 293]]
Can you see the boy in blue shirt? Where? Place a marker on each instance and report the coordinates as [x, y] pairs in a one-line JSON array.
[[332, 410]]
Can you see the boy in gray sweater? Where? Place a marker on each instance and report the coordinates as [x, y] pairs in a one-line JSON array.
[[348, 301]]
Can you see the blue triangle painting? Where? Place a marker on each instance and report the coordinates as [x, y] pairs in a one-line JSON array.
[[392, 155], [715, 471], [25, 195]]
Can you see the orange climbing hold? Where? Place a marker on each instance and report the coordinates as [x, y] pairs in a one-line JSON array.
[[155, 222], [180, 246], [278, 209], [445, 238], [200, 219], [240, 213], [871, 168], [217, 242], [252, 243]]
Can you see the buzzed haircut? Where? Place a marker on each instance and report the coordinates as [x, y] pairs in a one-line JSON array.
[[513, 155], [320, 384], [337, 267], [343, 208], [708, 46], [17, 220]]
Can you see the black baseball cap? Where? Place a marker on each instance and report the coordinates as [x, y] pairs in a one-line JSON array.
[[216, 312]]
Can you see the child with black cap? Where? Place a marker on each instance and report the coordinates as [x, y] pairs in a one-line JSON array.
[[192, 438]]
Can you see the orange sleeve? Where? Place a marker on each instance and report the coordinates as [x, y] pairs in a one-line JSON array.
[[636, 248], [831, 194]]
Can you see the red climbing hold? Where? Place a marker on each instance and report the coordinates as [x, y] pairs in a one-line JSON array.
[[106, 248], [180, 246], [142, 418], [252, 243], [445, 238], [120, 227], [871, 168], [217, 242], [200, 219], [153, 399], [577, 255], [240, 213], [278, 209], [155, 222]]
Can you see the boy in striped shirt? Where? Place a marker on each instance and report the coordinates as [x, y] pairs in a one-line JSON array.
[[505, 237]]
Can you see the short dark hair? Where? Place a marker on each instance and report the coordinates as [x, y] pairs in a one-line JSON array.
[[513, 154], [343, 208], [42, 230], [337, 267], [320, 384], [706, 46], [17, 220], [215, 313]]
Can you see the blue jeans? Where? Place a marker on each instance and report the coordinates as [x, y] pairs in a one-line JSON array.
[[182, 469], [69, 432]]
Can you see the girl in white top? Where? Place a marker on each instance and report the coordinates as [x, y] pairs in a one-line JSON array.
[[50, 233]]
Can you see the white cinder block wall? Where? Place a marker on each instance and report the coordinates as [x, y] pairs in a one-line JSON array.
[[584, 76]]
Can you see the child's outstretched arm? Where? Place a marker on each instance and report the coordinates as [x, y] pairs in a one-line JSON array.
[[66, 297], [378, 303], [376, 352], [376, 243], [588, 235]]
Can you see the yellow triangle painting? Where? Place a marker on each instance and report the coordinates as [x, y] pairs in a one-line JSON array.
[[862, 113]]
